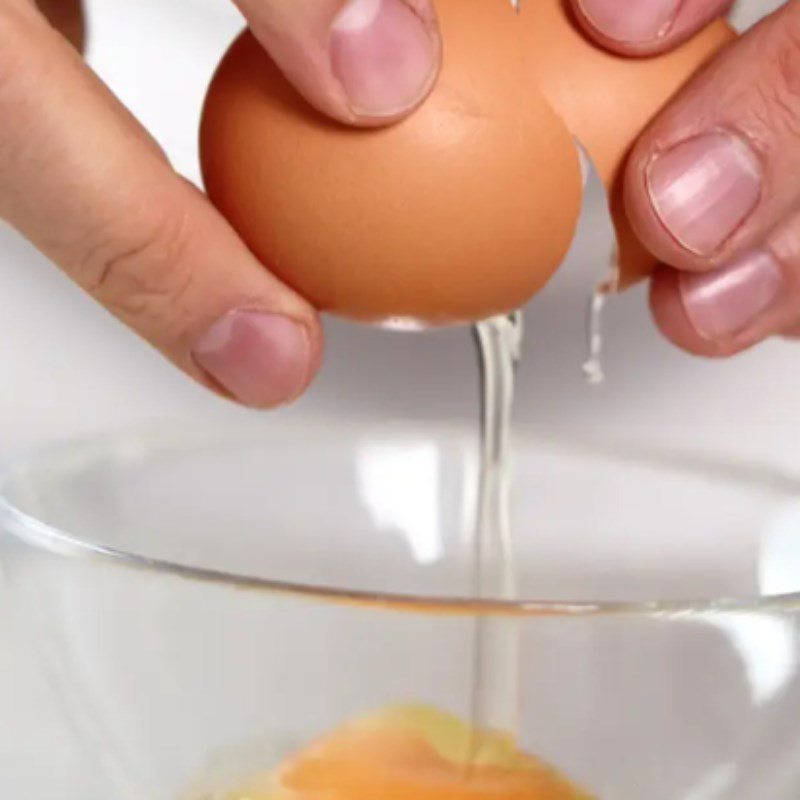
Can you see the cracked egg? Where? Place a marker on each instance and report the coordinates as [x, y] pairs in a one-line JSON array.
[[466, 208]]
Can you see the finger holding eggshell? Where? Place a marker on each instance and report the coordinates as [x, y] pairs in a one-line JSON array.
[[725, 311], [363, 62], [646, 27], [761, 293], [711, 190], [87, 185]]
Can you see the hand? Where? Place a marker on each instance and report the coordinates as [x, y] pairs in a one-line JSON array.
[[88, 186], [712, 187]]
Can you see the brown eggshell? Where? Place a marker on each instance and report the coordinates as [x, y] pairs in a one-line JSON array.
[[608, 100], [461, 211]]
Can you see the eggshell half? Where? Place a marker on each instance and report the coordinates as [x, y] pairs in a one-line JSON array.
[[608, 100], [461, 211]]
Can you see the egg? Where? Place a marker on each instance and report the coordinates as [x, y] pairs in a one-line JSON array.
[[461, 211]]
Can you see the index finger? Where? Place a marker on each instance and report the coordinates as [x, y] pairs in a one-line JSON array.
[[84, 182], [646, 27]]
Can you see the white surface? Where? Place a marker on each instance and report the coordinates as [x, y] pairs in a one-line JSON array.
[[68, 368]]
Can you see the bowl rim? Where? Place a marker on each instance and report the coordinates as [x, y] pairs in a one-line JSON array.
[[40, 535]]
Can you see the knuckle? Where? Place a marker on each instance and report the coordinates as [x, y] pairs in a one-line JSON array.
[[788, 58], [144, 273], [777, 91]]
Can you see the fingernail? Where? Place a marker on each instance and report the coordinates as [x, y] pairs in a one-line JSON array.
[[384, 55], [704, 189], [261, 359], [637, 22], [725, 302]]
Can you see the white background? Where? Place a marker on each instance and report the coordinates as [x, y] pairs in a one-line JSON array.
[[67, 368]]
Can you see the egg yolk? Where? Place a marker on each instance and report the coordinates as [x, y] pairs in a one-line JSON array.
[[412, 753]]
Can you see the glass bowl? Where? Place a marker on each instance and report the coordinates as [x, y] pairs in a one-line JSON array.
[[206, 602]]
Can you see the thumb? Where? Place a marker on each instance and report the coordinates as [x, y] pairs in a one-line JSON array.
[[364, 62], [646, 27]]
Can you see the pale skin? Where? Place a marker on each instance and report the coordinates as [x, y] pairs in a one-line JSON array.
[[711, 186]]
